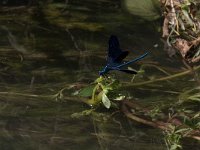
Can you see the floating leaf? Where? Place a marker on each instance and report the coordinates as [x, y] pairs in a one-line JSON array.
[[86, 92], [175, 147], [100, 79], [76, 93], [182, 130], [106, 101], [197, 115], [119, 98]]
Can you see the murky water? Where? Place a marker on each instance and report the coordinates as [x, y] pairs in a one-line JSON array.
[[60, 45]]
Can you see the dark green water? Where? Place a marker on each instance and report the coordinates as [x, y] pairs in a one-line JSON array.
[[45, 49]]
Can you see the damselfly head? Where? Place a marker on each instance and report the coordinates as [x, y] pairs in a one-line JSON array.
[[103, 71]]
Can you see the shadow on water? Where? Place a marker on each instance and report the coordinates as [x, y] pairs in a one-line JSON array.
[[64, 44]]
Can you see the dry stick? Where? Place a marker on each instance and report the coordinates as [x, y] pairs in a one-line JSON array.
[[143, 121], [197, 59], [147, 111], [194, 137], [162, 79]]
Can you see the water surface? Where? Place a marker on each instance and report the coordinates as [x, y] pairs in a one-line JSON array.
[[57, 45]]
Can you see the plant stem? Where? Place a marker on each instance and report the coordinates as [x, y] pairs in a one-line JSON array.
[[163, 78]]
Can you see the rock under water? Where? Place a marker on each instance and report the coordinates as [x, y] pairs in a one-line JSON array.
[[146, 9]]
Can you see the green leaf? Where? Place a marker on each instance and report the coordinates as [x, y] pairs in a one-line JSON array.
[[120, 98], [196, 115], [187, 17], [175, 147], [106, 101], [198, 125], [100, 79], [182, 130], [194, 98], [87, 91], [76, 93]]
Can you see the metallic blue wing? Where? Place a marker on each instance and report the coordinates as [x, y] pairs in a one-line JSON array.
[[115, 54], [115, 57], [123, 55], [113, 47]]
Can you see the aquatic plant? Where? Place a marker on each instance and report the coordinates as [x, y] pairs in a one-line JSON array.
[[102, 91], [175, 120]]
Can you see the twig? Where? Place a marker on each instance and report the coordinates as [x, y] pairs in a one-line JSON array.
[[156, 124], [141, 120]]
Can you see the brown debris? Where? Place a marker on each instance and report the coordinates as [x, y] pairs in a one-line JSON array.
[[195, 60], [196, 42], [181, 28], [165, 28], [183, 46]]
